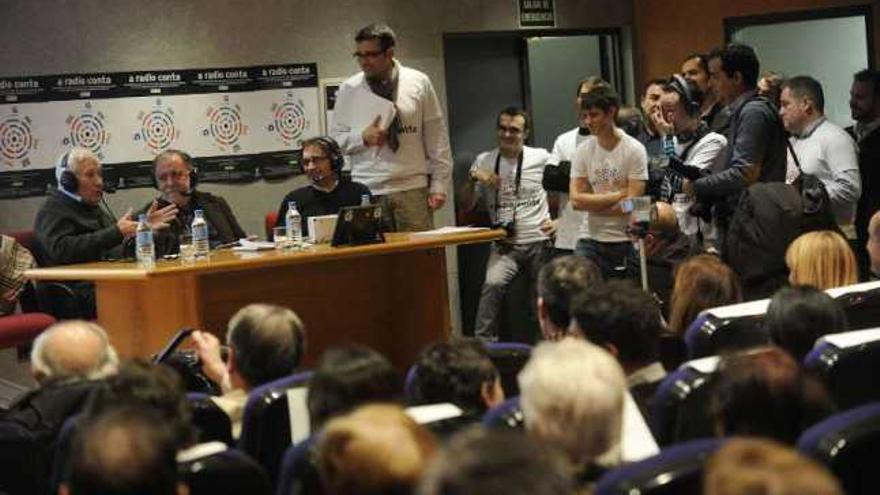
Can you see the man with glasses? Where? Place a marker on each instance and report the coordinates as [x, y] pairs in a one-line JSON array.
[[176, 179], [327, 192], [405, 162], [508, 179]]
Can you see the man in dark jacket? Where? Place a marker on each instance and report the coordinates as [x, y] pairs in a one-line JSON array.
[[755, 139], [864, 104], [176, 178], [71, 227]]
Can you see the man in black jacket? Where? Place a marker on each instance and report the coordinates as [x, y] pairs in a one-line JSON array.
[[176, 178], [755, 138], [71, 227], [864, 104]]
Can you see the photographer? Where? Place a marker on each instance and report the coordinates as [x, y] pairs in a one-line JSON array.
[[508, 179]]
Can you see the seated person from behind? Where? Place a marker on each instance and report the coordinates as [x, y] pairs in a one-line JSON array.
[[265, 343], [67, 359], [625, 321], [327, 192], [459, 372], [176, 178], [558, 281], [71, 227]]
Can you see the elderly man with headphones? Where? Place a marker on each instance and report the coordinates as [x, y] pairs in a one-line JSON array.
[[327, 192], [176, 177], [71, 226]]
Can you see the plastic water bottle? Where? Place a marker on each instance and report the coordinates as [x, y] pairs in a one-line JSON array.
[[365, 200], [200, 235], [145, 249], [293, 222]]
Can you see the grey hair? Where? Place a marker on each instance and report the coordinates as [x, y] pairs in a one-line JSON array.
[[75, 158], [45, 367]]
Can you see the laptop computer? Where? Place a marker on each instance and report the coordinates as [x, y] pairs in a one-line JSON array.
[[358, 225]]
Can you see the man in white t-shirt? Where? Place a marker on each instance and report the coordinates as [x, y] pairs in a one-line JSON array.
[[508, 179], [406, 162], [687, 142], [609, 166], [569, 220]]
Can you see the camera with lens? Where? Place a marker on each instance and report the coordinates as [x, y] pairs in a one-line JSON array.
[[509, 228]]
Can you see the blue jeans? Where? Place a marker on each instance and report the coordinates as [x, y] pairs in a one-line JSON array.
[[614, 259]]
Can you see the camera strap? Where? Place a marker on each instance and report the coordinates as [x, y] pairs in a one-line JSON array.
[[517, 180]]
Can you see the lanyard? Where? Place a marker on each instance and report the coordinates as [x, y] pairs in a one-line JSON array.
[[517, 180]]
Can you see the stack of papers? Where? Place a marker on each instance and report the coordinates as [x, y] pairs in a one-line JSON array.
[[246, 245]]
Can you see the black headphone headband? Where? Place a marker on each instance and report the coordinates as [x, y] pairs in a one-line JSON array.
[[681, 86], [67, 180]]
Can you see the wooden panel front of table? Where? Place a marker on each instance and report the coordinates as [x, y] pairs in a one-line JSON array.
[[392, 297]]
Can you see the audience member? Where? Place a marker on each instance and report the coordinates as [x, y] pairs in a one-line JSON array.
[[864, 104], [608, 167], [666, 247], [124, 451], [821, 147], [770, 86], [347, 377], [712, 112], [67, 360], [701, 283], [328, 191], [176, 178], [374, 450], [569, 221], [572, 396], [625, 321], [404, 162], [755, 141], [749, 466], [798, 316], [650, 136], [482, 461], [765, 392], [459, 372], [558, 281], [822, 259], [630, 121], [14, 260], [266, 342], [71, 227], [872, 246], [509, 180]]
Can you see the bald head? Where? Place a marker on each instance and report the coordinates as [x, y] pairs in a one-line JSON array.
[[72, 349], [663, 218]]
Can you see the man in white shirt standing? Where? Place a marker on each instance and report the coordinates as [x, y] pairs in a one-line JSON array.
[[569, 220], [508, 179], [405, 162], [823, 148], [609, 166]]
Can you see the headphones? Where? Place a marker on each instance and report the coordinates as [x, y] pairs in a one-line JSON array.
[[187, 159], [681, 86], [67, 179], [337, 161]]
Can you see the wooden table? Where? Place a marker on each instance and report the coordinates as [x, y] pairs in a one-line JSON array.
[[392, 297]]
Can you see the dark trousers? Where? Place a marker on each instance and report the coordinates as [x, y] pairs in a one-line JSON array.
[[614, 259]]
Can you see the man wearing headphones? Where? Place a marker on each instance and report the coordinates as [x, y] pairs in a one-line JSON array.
[[71, 227], [176, 178], [687, 139], [322, 162]]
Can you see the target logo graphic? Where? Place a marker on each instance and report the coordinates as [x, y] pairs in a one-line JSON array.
[[289, 121], [158, 131], [16, 138], [225, 126], [87, 130]]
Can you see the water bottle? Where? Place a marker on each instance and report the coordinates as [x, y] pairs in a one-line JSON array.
[[365, 200], [200, 235], [293, 222], [145, 249]]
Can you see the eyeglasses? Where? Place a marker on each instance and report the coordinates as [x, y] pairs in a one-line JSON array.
[[374, 54], [513, 131], [312, 160]]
